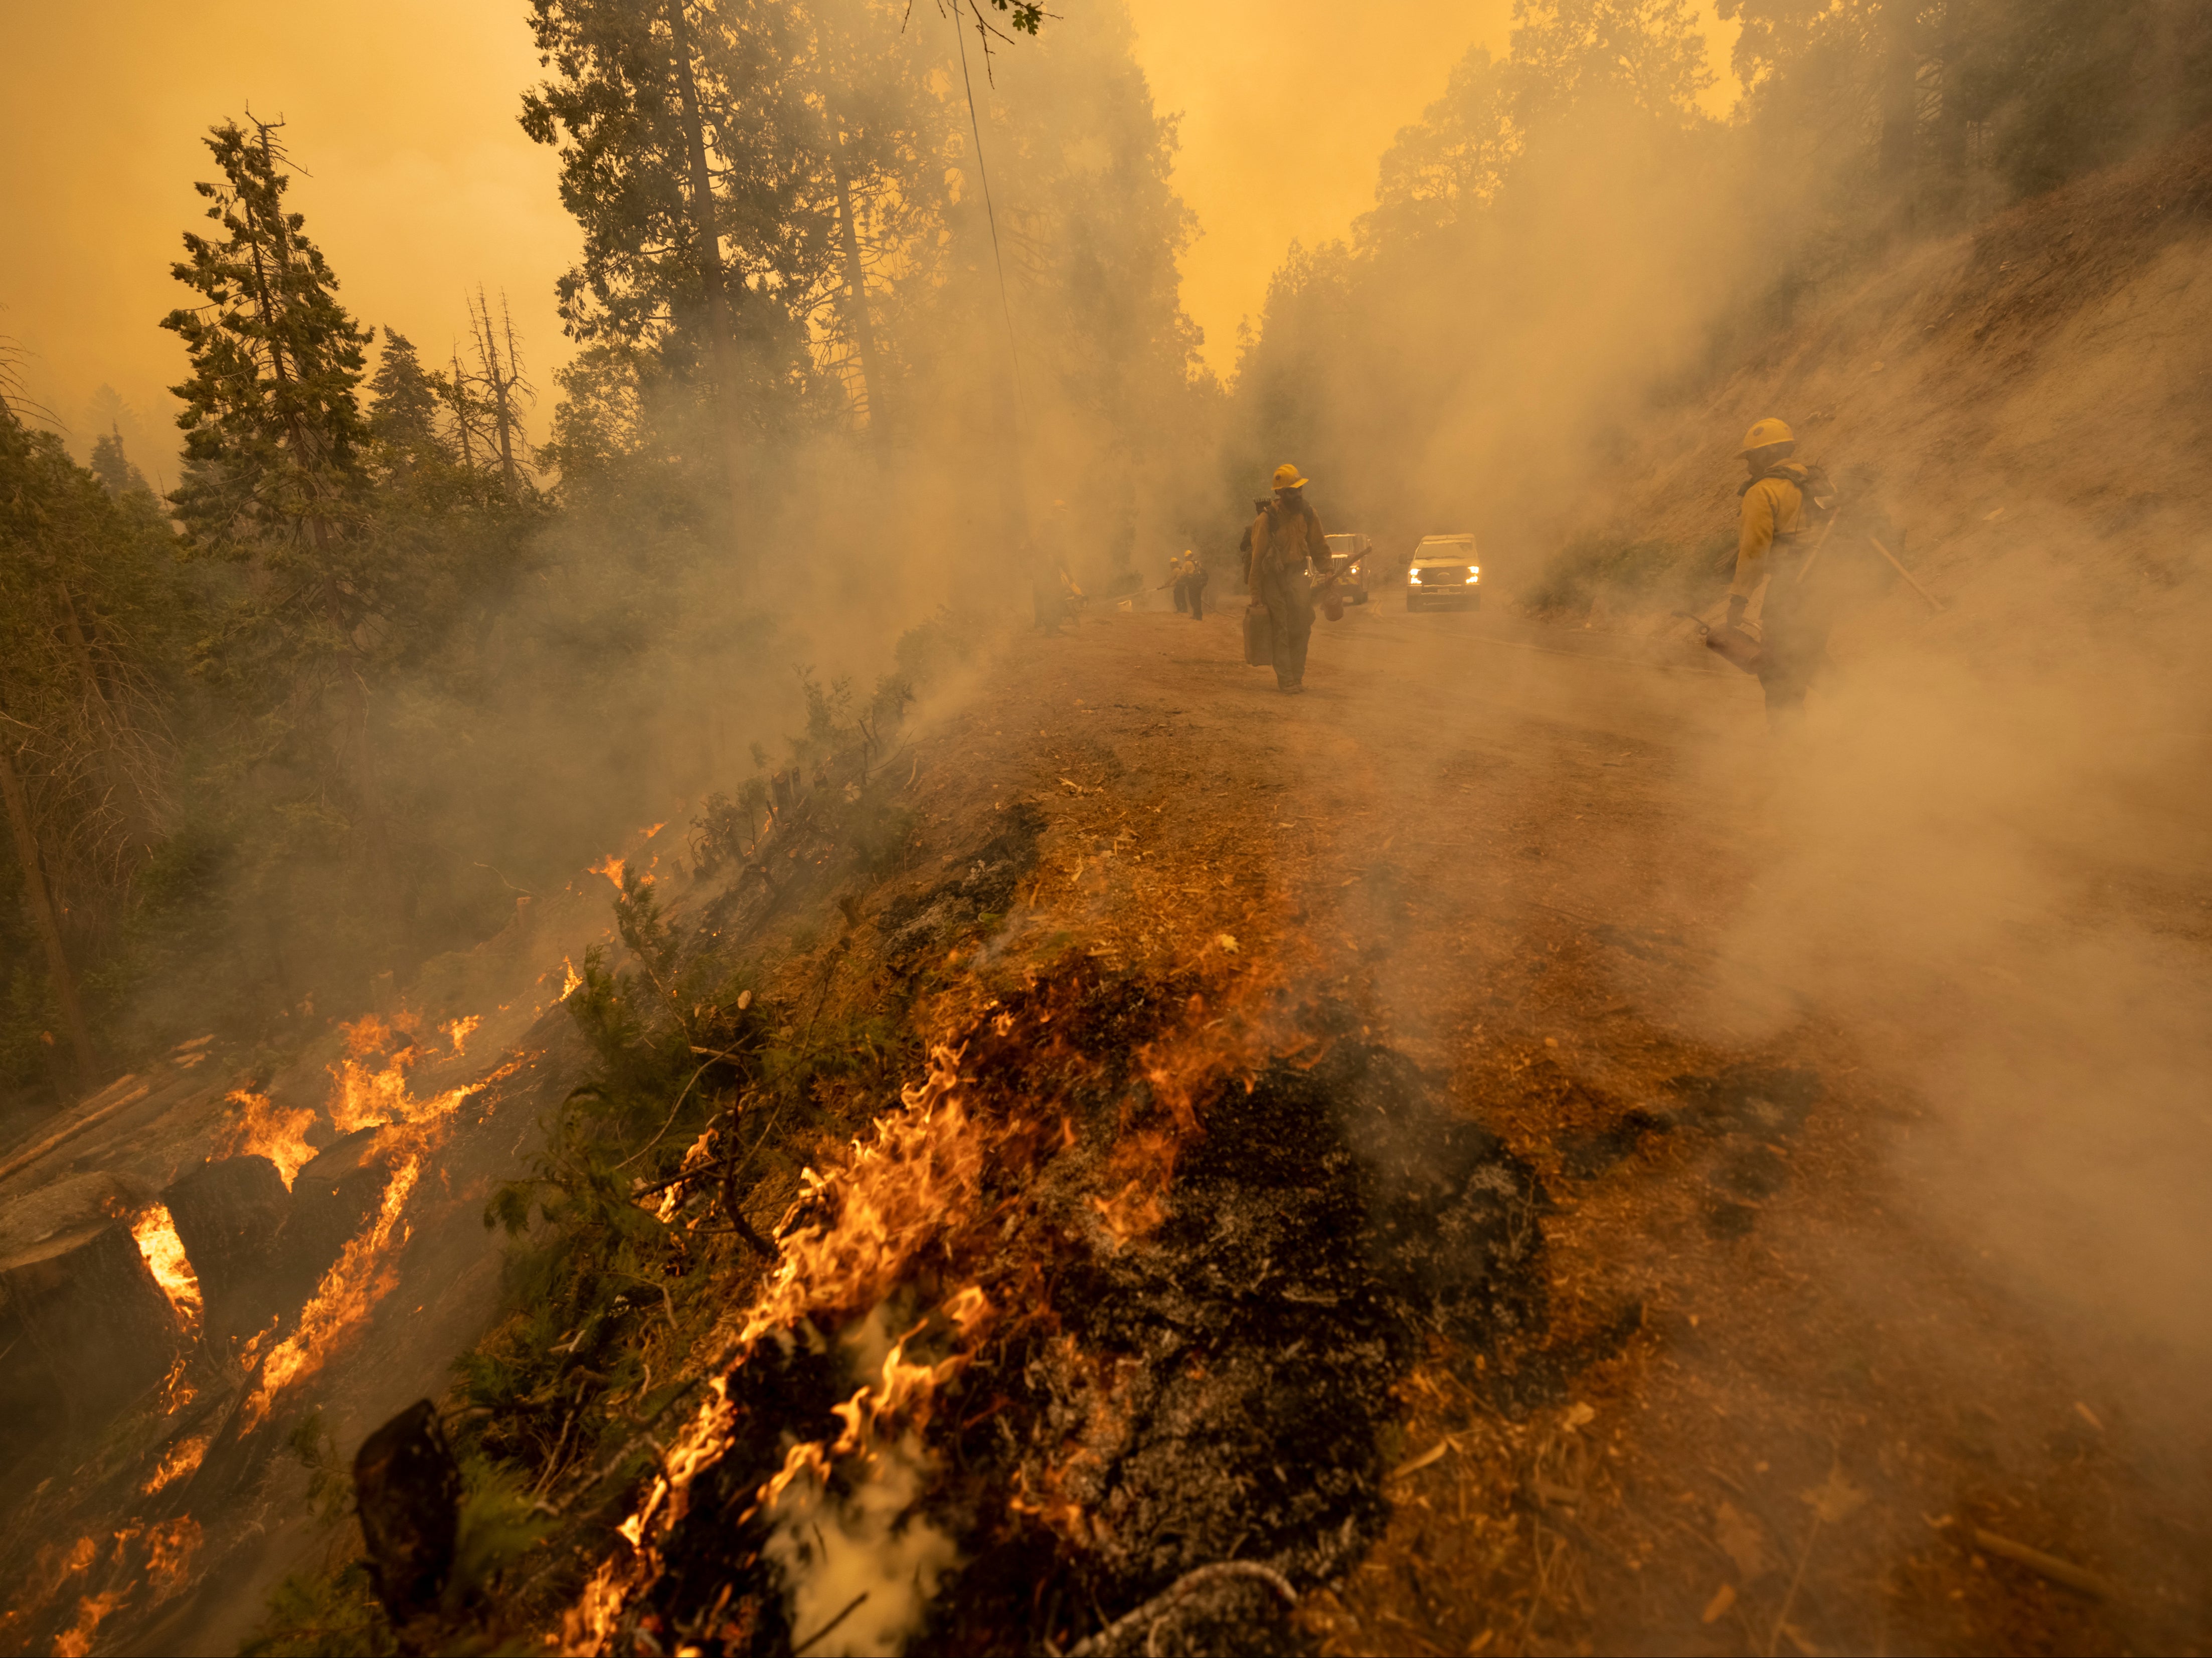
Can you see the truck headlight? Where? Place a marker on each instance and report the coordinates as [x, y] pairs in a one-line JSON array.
[[1473, 573]]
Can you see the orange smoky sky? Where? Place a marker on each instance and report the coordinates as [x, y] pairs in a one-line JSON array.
[[417, 181], [400, 115], [1286, 107]]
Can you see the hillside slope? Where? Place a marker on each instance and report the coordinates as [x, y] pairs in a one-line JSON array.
[[2027, 400]]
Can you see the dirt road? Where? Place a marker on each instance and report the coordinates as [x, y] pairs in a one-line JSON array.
[[1776, 1407]]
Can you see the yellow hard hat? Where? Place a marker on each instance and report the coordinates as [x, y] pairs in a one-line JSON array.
[[1286, 477], [1765, 435]]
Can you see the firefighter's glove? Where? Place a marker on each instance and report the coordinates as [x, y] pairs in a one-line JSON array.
[[1736, 601]]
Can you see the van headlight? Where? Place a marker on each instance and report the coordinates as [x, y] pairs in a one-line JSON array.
[[1475, 573]]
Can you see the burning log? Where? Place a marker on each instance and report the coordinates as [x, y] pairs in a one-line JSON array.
[[229, 1213], [407, 1488], [100, 1324], [334, 1197]]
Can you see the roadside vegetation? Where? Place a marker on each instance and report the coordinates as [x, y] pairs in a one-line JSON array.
[[720, 1063]]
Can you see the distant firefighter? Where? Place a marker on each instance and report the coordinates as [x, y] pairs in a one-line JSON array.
[[1190, 577], [1788, 509], [1288, 549]]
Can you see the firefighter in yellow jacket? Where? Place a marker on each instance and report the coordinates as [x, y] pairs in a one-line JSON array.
[[1288, 549], [1777, 547]]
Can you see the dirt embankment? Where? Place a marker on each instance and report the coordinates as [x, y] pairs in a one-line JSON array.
[[2028, 402]]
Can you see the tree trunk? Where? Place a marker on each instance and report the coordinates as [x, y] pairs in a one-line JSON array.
[[1020, 554], [1900, 111], [387, 903], [1950, 134], [40, 901], [461, 415], [508, 420], [856, 304], [501, 380], [707, 235], [307, 451]]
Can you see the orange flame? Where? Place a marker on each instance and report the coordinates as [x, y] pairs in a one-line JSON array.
[[368, 1097], [364, 1272], [342, 1302], [264, 1129], [169, 1551], [157, 1236], [700, 1151], [854, 1238], [91, 1612], [611, 867], [923, 1160], [573, 982], [183, 1459], [457, 1031]]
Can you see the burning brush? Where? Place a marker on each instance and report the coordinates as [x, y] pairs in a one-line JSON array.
[[1107, 1314]]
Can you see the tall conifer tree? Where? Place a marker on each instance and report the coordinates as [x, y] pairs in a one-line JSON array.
[[275, 443]]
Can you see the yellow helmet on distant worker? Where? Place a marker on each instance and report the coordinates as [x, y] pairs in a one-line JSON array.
[[1287, 477], [1765, 435]]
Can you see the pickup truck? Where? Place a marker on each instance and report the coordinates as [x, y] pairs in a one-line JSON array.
[[1444, 574], [1348, 558]]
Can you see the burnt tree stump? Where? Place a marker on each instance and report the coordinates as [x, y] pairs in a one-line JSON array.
[[227, 1214], [92, 1313], [334, 1197], [407, 1489]]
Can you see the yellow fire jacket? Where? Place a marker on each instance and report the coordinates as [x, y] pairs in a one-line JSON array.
[[1773, 507], [1296, 544]]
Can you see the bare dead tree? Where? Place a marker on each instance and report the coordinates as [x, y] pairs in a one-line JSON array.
[[500, 374], [464, 414]]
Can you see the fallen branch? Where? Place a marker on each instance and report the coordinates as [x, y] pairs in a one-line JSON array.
[[851, 1606], [91, 1120], [1164, 1602], [1934, 603], [2046, 1566]]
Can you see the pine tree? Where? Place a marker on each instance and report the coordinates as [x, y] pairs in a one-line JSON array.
[[275, 479], [90, 610], [114, 469], [688, 150], [404, 400]]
